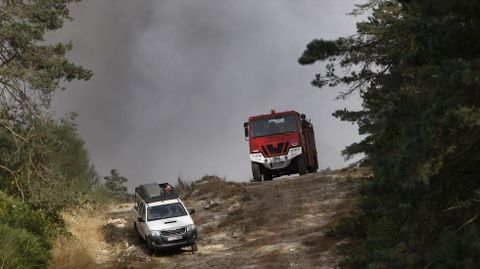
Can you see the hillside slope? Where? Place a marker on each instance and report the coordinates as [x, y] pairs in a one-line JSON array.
[[278, 224]]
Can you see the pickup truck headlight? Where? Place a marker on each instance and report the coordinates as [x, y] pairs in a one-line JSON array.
[[191, 227], [155, 233]]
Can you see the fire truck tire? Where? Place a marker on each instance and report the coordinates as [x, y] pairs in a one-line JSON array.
[[302, 165], [267, 176], [257, 173], [313, 169]]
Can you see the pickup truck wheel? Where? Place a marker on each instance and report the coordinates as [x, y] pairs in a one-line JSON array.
[[149, 246], [257, 173], [302, 165], [194, 247], [140, 238]]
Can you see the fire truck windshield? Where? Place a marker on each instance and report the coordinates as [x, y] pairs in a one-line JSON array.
[[271, 126]]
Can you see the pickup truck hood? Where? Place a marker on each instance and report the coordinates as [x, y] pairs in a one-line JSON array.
[[170, 223]]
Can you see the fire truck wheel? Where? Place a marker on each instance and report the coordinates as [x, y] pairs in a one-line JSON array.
[[267, 176], [257, 174], [302, 165]]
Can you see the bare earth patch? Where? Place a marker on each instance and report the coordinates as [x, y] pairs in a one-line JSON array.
[[277, 224]]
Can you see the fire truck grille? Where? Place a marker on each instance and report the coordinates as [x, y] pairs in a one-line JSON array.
[[285, 149], [280, 148], [178, 231]]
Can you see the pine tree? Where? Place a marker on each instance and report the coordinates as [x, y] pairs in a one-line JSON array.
[[115, 184], [31, 70], [416, 66]]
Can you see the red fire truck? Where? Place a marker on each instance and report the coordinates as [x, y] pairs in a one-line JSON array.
[[281, 143]]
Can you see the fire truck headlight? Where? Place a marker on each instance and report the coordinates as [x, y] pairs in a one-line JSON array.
[[293, 152], [256, 157]]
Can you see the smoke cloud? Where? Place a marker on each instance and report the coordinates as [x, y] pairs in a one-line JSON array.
[[175, 80]]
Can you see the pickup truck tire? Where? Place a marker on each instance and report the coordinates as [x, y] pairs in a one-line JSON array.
[[194, 247], [302, 165], [257, 173], [140, 238], [151, 251]]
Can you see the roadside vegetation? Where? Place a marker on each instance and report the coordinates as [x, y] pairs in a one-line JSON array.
[[78, 248], [45, 170], [416, 66]]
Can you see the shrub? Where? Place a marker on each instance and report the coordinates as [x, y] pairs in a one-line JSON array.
[[100, 194], [24, 235], [22, 249], [20, 215], [460, 250], [216, 187], [184, 187]]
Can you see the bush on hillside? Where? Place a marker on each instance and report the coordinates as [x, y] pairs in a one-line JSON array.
[[21, 249], [24, 235]]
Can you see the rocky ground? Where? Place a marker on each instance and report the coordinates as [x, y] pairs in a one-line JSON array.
[[278, 224]]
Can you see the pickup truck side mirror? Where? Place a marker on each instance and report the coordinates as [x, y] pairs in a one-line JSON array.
[[191, 211], [141, 219]]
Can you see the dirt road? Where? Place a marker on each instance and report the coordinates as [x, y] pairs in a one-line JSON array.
[[277, 224]]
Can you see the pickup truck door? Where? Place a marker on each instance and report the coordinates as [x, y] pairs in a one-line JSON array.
[[142, 227]]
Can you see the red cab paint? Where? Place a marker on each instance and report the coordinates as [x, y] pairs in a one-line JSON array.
[[281, 143]]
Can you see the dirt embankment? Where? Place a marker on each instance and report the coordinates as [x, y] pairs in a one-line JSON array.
[[277, 224]]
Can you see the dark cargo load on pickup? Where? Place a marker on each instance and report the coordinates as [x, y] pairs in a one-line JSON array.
[[154, 192]]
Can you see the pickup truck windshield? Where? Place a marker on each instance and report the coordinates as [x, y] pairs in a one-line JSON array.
[[166, 211], [271, 126]]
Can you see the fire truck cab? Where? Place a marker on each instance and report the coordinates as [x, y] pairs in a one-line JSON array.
[[281, 143]]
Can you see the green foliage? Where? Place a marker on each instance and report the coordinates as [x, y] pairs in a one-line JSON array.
[[24, 56], [417, 69], [24, 235], [69, 174], [115, 184], [100, 194], [21, 249], [30, 71], [460, 250], [72, 159], [43, 161], [20, 215]]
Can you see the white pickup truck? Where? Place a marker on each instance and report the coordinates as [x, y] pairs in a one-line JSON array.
[[161, 218]]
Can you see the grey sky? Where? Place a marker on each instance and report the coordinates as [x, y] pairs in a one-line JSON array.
[[175, 80]]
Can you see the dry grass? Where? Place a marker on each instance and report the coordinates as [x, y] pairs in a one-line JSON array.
[[356, 173], [217, 187], [184, 187], [79, 251], [69, 253]]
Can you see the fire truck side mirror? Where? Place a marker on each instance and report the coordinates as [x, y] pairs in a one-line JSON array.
[[245, 127], [302, 116]]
